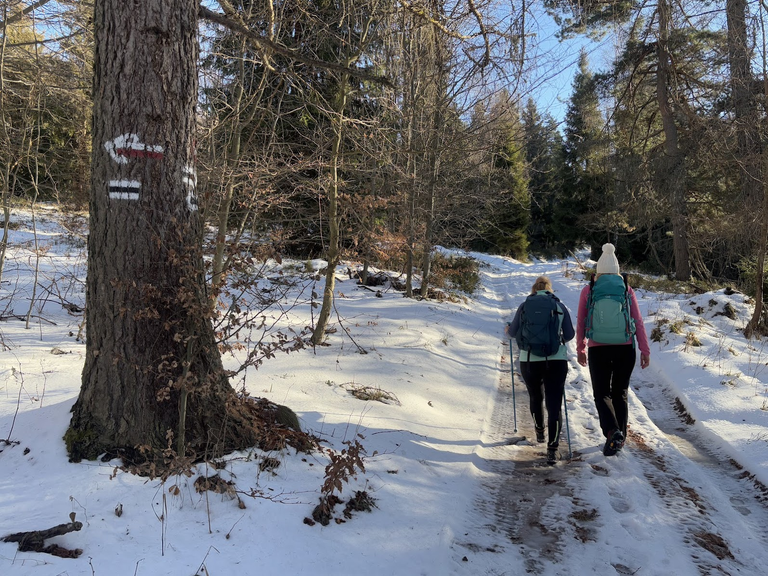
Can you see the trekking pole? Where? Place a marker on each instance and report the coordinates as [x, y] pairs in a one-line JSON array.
[[512, 370], [567, 428]]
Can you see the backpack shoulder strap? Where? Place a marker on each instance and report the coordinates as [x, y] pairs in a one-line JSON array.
[[556, 304]]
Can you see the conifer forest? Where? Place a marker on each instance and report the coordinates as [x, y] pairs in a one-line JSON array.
[[376, 130]]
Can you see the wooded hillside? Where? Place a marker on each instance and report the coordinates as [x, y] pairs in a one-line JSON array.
[[377, 130]]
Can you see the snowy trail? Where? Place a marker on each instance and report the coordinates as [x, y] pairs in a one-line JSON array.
[[456, 489], [667, 505], [730, 512]]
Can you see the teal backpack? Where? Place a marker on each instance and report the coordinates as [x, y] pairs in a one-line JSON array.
[[608, 313]]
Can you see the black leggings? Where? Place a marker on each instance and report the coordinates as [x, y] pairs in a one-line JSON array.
[[546, 384], [610, 368]]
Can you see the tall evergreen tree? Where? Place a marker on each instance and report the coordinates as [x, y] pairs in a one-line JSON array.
[[586, 194], [508, 203], [544, 171]]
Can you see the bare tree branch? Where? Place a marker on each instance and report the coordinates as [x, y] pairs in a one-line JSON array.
[[421, 13], [20, 15], [46, 40], [270, 47], [483, 32]]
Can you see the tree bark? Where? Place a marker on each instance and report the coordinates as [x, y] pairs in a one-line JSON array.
[[151, 356], [749, 150], [747, 119], [332, 253], [672, 171], [439, 70]]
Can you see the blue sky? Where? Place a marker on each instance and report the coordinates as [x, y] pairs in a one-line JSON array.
[[554, 63]]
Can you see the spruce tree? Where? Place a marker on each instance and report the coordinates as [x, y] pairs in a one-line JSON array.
[[586, 192], [544, 170], [508, 212]]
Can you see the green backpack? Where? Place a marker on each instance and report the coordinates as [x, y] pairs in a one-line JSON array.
[[608, 310]]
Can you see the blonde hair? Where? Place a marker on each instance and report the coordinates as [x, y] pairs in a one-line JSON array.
[[542, 283]]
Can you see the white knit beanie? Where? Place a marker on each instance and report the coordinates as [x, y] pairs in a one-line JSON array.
[[608, 264]]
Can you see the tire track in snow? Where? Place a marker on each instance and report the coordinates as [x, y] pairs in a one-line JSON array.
[[724, 520], [687, 505], [511, 513], [517, 491], [675, 507]]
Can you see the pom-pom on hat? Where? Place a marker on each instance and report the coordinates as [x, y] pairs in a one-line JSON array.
[[608, 264]]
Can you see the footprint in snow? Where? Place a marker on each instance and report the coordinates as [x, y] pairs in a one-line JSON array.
[[619, 504]]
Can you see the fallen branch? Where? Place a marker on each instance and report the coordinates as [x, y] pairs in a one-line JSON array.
[[34, 541], [24, 318]]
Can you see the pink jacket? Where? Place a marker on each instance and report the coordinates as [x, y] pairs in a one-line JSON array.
[[634, 310]]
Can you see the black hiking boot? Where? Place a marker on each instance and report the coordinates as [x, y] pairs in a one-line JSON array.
[[614, 443], [539, 435], [552, 456]]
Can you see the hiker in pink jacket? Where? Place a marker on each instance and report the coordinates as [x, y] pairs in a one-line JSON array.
[[610, 365]]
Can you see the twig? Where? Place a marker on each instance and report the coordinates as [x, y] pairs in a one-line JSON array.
[[18, 404], [85, 512], [24, 318], [70, 307], [207, 507], [338, 317], [202, 564], [233, 526], [579, 262]]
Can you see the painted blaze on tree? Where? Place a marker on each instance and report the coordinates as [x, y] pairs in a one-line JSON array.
[[151, 354]]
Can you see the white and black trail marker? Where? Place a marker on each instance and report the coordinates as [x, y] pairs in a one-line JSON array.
[[189, 181], [128, 146], [124, 189]]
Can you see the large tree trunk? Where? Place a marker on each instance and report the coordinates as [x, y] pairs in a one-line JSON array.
[[152, 370], [749, 147], [439, 68], [747, 119], [672, 170]]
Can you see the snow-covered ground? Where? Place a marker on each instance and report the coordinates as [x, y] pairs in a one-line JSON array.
[[452, 494]]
